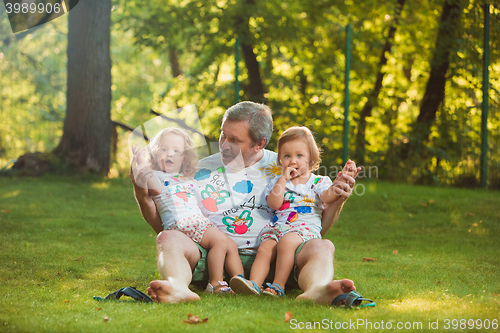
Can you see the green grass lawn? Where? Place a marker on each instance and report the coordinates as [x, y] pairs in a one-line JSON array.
[[64, 240]]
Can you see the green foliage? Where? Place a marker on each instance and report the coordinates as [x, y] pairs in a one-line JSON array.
[[452, 155], [300, 48], [65, 240], [32, 91]]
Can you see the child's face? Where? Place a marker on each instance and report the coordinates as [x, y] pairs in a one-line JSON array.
[[295, 154], [171, 153]]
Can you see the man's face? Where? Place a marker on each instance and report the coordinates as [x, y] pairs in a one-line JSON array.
[[235, 140]]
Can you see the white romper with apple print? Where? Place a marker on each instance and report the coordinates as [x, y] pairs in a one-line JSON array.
[[178, 207]]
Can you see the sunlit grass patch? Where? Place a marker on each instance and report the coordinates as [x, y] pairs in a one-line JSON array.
[[434, 257]]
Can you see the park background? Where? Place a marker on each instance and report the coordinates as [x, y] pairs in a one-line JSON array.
[[72, 90], [415, 84]]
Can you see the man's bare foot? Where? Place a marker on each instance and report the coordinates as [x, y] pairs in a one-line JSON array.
[[165, 292], [326, 294]]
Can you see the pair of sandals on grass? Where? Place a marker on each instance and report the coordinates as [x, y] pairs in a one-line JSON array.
[[241, 285]]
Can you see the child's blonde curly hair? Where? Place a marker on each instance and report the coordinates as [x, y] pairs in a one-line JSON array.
[[190, 160], [302, 133]]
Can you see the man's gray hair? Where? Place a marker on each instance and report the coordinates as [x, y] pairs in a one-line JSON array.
[[258, 115]]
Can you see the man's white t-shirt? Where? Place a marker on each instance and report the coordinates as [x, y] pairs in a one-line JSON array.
[[233, 199]]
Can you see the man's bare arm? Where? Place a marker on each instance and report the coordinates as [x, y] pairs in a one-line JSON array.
[[343, 186], [146, 204], [331, 214]]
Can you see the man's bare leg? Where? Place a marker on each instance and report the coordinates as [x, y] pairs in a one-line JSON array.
[[177, 257], [315, 269]]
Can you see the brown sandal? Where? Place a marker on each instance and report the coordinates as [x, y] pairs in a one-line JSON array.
[[222, 288]]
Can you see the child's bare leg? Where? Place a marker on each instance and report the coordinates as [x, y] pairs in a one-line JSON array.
[[285, 258], [266, 254], [216, 243], [233, 262]]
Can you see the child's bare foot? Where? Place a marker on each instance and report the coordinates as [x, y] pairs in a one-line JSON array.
[[220, 288], [274, 289], [325, 294], [241, 285], [165, 292]]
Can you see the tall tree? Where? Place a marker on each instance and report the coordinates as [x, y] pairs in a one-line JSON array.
[[448, 34], [255, 87], [86, 138], [373, 96]]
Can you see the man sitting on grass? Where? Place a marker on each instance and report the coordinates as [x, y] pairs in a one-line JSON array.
[[233, 183]]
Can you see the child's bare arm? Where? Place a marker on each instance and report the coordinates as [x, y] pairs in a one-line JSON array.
[[139, 176], [276, 196], [153, 184]]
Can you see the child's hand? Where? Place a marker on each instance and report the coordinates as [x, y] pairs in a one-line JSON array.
[[341, 186], [140, 171], [140, 153], [350, 169], [289, 173], [346, 179]]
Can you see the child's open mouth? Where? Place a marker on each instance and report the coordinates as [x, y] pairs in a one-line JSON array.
[[168, 163]]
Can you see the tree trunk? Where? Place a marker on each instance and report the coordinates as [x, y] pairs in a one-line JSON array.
[[449, 27], [174, 62], [373, 96], [86, 139], [255, 87]]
